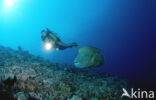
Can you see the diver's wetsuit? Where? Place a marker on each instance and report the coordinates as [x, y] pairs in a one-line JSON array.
[[61, 47], [57, 43]]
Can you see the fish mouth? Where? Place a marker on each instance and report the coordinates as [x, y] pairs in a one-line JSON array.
[[76, 63]]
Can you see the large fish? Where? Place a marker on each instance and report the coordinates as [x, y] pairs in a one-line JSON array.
[[88, 56]]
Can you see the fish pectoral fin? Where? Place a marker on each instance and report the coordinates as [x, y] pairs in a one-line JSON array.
[[92, 59]]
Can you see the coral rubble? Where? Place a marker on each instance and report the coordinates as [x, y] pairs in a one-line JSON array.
[[27, 77]]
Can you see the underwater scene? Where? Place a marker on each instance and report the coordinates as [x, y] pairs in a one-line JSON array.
[[77, 49]]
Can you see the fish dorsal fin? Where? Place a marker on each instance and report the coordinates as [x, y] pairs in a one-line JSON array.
[[92, 59]]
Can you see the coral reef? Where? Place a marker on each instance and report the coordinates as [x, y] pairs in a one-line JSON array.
[[27, 77]]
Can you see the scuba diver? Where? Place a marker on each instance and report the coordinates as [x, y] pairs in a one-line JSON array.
[[50, 37]]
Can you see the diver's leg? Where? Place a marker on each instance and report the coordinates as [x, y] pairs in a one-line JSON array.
[[66, 45], [62, 44], [73, 44]]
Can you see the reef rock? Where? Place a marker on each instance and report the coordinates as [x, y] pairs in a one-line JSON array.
[[26, 77], [21, 96], [88, 56]]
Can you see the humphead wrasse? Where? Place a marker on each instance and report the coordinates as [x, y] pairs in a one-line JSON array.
[[88, 56]]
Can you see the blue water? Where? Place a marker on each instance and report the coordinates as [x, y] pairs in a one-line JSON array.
[[124, 30]]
